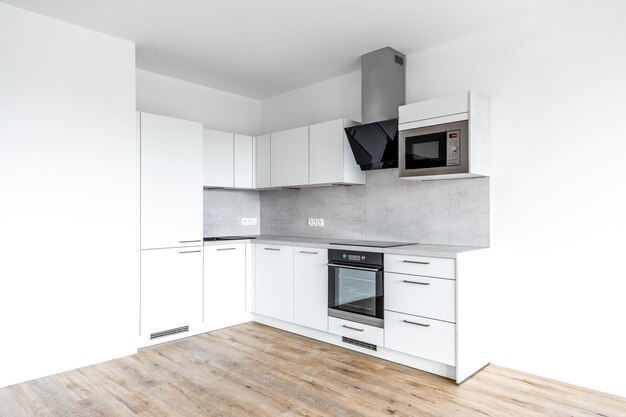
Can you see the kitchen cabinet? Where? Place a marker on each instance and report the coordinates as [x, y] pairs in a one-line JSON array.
[[262, 161], [310, 292], [274, 281], [219, 159], [243, 161], [290, 157], [171, 181], [224, 285], [330, 155], [171, 290]]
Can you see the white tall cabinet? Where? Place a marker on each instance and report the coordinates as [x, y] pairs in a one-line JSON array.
[[171, 227]]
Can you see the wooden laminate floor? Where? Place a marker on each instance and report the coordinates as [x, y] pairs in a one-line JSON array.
[[255, 370]]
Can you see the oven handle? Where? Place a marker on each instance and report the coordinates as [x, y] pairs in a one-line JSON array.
[[359, 268]]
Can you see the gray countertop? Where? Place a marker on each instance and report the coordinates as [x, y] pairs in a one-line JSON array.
[[439, 251]]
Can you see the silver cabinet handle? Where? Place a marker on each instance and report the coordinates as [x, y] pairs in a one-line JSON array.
[[271, 248], [190, 251], [416, 282], [353, 328], [416, 323], [308, 252], [225, 249], [189, 241], [416, 262], [355, 267]]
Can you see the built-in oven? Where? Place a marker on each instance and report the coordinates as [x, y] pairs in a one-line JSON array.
[[434, 150], [355, 286]]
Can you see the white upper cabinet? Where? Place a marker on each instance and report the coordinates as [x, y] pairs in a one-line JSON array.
[[171, 182], [219, 159], [290, 157], [331, 159], [244, 161], [262, 159]]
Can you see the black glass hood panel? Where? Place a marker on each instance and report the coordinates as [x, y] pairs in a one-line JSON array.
[[375, 145]]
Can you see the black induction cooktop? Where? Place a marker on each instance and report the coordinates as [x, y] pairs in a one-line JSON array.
[[216, 238], [372, 243]]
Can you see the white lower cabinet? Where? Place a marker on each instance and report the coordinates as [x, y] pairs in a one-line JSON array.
[[274, 281], [224, 285], [421, 296], [357, 331], [419, 336], [171, 289], [310, 292]]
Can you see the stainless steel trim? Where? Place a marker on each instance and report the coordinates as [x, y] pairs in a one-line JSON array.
[[464, 145], [416, 262], [354, 267], [308, 252], [356, 318], [271, 248], [190, 251], [416, 282], [189, 241], [352, 328], [416, 323], [219, 249]]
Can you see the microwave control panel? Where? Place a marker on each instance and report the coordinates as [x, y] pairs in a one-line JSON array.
[[454, 148]]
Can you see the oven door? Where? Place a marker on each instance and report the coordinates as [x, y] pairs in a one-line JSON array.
[[356, 293], [433, 150]]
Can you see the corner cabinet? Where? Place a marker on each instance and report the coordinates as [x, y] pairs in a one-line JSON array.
[[262, 161], [290, 157], [331, 158]]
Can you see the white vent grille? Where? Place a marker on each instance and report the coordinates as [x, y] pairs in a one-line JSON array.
[[169, 332], [359, 343]]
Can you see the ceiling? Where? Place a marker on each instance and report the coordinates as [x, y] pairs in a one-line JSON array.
[[260, 48]]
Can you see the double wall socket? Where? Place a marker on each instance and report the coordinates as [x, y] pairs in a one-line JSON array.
[[316, 222], [248, 221]]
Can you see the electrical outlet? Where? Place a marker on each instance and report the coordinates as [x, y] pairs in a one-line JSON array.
[[248, 221], [320, 222], [315, 222], [311, 222]]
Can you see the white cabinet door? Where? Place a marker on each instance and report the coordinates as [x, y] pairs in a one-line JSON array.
[[326, 152], [290, 157], [224, 285], [274, 281], [244, 162], [262, 157], [218, 159], [171, 289], [171, 182], [310, 292]]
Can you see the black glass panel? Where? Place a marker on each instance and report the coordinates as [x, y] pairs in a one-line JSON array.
[[426, 151], [375, 145], [357, 291]]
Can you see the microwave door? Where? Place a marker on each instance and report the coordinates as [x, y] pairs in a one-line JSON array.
[[425, 151]]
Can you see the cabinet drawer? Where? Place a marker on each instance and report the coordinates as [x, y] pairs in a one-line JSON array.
[[358, 331], [421, 265], [420, 296], [418, 336]]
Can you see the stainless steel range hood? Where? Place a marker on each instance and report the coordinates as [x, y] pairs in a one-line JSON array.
[[375, 142]]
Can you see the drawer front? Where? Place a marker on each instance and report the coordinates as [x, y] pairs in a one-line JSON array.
[[422, 337], [358, 331], [420, 296], [421, 265]]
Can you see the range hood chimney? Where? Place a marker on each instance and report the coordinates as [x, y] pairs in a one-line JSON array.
[[375, 142]]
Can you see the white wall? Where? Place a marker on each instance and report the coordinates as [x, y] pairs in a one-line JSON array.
[[331, 99], [217, 109], [557, 85], [69, 271]]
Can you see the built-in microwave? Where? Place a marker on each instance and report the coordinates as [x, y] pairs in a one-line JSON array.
[[434, 150]]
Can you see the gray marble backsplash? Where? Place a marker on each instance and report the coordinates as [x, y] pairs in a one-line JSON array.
[[223, 210], [453, 212]]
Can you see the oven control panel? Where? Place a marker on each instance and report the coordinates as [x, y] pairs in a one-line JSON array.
[[354, 257], [454, 148]]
